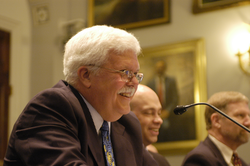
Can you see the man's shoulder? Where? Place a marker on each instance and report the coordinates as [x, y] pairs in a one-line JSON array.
[[204, 147], [60, 87], [204, 154], [161, 160], [60, 90], [130, 121], [58, 100]]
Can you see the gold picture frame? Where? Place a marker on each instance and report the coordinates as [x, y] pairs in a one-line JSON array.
[[128, 14], [186, 61], [200, 6]]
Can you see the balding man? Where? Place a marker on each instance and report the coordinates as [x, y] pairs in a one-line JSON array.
[[147, 108]]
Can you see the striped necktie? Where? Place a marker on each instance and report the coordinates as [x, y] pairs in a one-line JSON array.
[[107, 145], [236, 160]]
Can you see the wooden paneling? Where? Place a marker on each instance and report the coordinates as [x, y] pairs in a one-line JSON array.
[[4, 90]]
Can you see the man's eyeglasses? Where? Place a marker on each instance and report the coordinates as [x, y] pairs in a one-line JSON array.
[[126, 75]]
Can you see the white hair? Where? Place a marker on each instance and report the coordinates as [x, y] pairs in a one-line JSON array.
[[93, 45]]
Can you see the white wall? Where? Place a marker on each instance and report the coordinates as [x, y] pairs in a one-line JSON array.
[[37, 65], [47, 53]]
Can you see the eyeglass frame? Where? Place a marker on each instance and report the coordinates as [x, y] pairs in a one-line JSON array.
[[129, 74]]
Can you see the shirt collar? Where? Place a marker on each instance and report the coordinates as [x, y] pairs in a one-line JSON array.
[[225, 150], [97, 119]]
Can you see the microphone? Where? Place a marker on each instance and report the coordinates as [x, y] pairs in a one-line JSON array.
[[181, 109]]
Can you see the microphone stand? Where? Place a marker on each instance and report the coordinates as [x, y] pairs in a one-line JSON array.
[[216, 109]]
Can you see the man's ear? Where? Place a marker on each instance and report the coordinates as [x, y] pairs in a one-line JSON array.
[[215, 119], [84, 76]]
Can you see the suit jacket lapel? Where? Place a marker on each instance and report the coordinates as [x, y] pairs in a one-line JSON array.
[[94, 143], [121, 146], [215, 150], [95, 146]]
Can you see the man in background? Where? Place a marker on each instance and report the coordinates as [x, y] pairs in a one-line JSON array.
[[224, 136], [147, 108]]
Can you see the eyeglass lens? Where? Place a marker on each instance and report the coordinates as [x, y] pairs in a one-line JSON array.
[[130, 74]]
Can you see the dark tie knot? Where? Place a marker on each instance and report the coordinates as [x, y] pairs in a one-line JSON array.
[[235, 155], [105, 126], [236, 160]]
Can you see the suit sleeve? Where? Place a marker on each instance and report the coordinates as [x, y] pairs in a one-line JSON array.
[[46, 133]]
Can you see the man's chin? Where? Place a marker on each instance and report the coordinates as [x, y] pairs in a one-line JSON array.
[[124, 111], [245, 137]]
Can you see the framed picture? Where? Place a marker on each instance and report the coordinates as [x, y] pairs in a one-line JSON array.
[[200, 6], [183, 69], [128, 14]]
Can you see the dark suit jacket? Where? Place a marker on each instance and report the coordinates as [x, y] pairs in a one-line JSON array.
[[56, 128], [162, 161], [206, 154]]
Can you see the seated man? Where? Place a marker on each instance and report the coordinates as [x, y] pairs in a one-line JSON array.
[[224, 136], [147, 107], [85, 119]]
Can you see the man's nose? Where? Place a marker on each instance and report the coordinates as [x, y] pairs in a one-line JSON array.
[[247, 122], [158, 119]]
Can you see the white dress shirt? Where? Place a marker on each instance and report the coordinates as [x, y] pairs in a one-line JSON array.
[[97, 119], [226, 152]]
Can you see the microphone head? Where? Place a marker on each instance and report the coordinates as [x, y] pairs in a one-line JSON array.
[[180, 110]]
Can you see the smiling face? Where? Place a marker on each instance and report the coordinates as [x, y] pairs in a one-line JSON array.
[[147, 108], [109, 94]]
